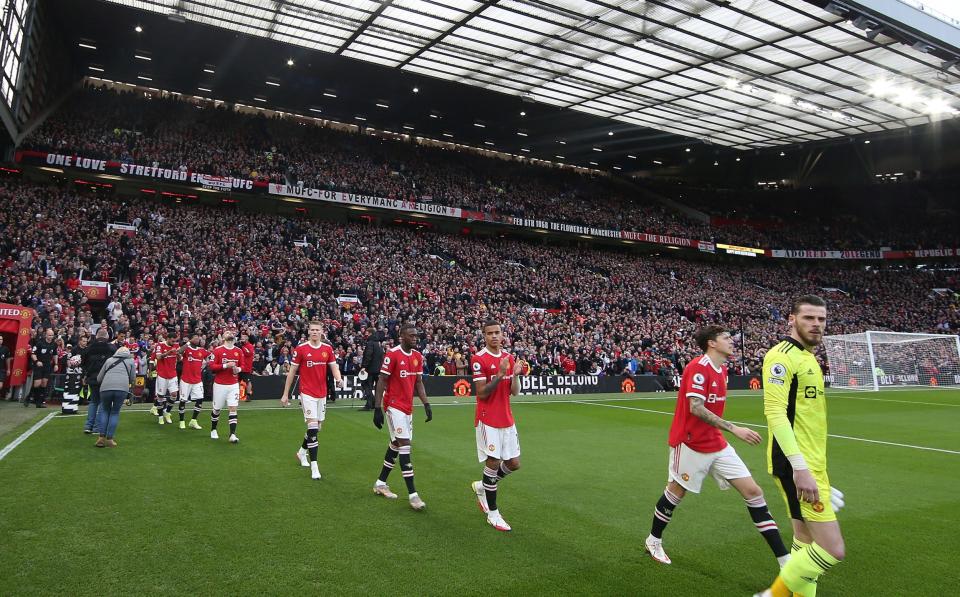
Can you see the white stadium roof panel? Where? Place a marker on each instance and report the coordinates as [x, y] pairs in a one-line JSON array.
[[746, 73]]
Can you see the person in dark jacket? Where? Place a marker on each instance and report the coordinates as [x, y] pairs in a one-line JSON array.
[[372, 359], [96, 355], [115, 380]]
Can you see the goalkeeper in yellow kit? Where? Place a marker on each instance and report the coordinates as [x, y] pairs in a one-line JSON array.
[[795, 406]]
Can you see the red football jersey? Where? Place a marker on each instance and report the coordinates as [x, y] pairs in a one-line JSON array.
[[404, 369], [702, 380], [167, 366], [222, 364], [192, 364], [495, 410], [132, 345], [313, 363], [247, 366]]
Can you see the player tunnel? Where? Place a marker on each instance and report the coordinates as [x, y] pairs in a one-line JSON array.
[[15, 322]]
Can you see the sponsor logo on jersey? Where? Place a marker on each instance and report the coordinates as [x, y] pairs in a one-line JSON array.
[[773, 380], [810, 392], [315, 363]]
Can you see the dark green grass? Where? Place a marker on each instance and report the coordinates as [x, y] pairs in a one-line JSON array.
[[173, 512]]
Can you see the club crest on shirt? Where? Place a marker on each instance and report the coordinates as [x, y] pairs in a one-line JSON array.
[[685, 477]]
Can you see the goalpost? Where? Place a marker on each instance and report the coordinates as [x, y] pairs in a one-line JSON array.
[[874, 360]]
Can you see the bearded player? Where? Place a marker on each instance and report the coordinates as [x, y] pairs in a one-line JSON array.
[[315, 357], [191, 379], [225, 364], [167, 385], [400, 374], [495, 375], [698, 448], [795, 404]]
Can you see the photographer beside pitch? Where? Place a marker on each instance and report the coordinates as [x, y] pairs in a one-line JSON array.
[[795, 405]]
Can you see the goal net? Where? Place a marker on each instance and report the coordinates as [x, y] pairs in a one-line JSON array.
[[875, 360]]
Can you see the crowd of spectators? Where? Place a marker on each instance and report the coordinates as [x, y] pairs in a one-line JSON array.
[[173, 132], [564, 308]]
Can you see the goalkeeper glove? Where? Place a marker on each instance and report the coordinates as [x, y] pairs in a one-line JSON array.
[[836, 499], [429, 411], [378, 417]]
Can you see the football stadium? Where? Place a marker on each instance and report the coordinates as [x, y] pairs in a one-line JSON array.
[[701, 256]]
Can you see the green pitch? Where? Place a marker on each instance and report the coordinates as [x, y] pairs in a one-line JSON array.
[[172, 512]]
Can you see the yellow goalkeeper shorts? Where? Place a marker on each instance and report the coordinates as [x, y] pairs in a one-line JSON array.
[[821, 511]]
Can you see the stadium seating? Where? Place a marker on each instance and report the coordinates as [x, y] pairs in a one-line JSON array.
[[177, 134], [199, 268]]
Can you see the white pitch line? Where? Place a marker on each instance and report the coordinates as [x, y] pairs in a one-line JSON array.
[[832, 395], [357, 406], [858, 439], [23, 436]]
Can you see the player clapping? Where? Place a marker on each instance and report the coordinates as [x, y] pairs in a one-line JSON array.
[[495, 375]]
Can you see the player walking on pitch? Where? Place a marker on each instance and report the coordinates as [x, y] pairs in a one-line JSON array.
[[315, 357], [167, 385], [794, 403], [191, 379], [495, 375], [226, 386], [400, 375], [698, 448]]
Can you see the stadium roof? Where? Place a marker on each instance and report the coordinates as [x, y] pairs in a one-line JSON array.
[[740, 73]]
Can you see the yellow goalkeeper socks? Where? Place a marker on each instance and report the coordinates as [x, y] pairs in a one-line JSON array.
[[798, 545], [804, 568]]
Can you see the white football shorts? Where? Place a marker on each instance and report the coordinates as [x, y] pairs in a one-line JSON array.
[[165, 386], [313, 408], [225, 395], [399, 423], [501, 443], [191, 391], [689, 467]]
